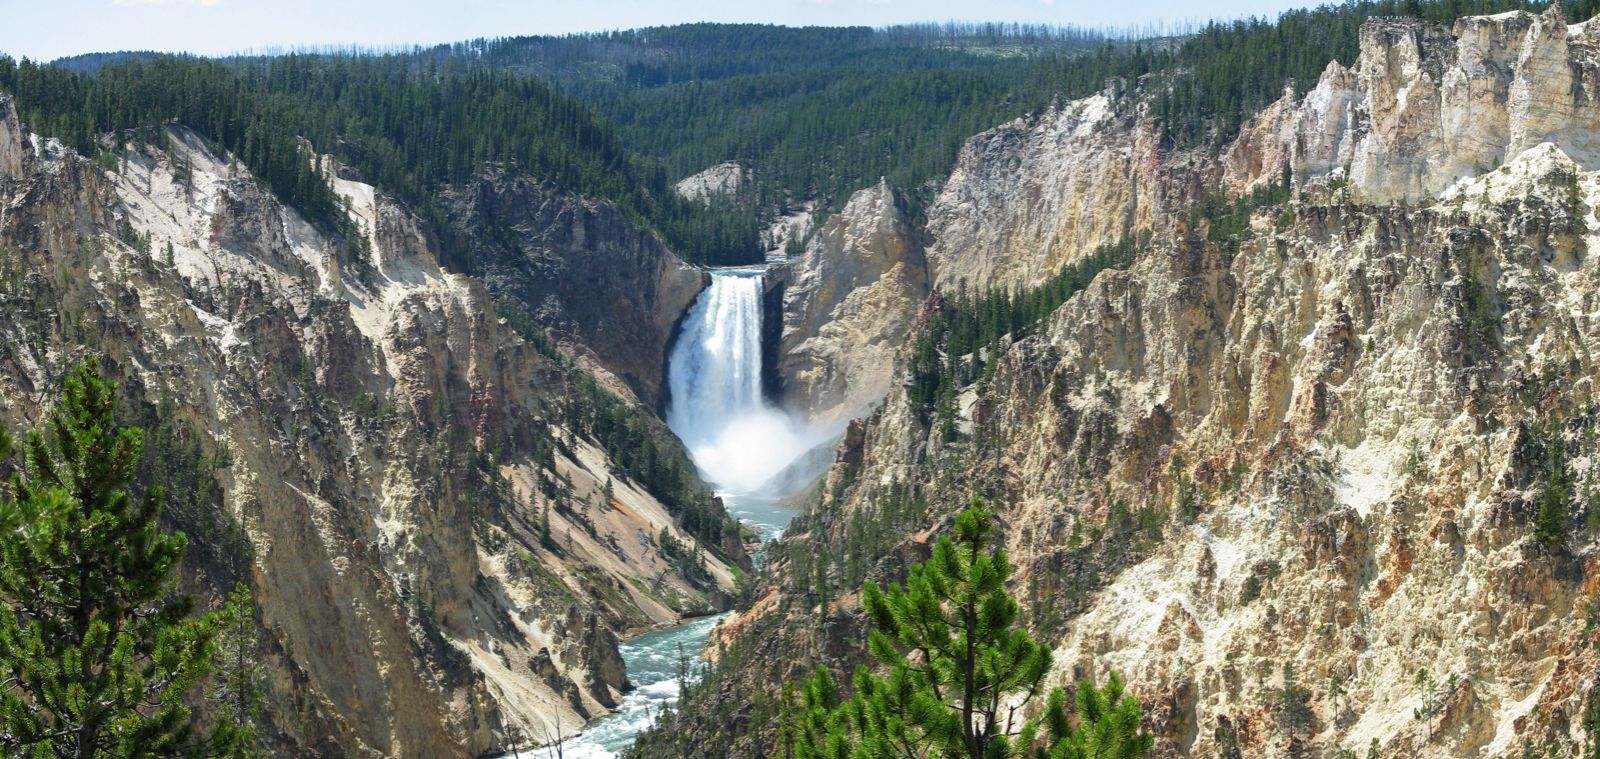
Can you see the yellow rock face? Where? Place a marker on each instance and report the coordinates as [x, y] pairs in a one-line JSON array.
[[1332, 427]]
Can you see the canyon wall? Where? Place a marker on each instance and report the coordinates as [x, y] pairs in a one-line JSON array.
[[442, 560], [1030, 197], [1324, 485], [607, 289], [1425, 106]]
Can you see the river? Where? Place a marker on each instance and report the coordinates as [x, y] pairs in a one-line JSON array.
[[739, 441], [653, 661]]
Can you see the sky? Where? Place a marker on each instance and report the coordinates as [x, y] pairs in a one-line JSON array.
[[49, 29]]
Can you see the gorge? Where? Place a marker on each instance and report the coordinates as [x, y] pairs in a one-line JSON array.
[[509, 377], [740, 441], [1275, 470]]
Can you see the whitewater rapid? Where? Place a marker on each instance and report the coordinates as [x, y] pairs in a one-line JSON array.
[[655, 662]]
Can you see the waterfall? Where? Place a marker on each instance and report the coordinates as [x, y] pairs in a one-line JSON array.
[[738, 440]]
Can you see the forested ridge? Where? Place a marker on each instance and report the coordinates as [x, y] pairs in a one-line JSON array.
[[656, 56], [818, 113], [821, 113], [409, 130], [814, 113]]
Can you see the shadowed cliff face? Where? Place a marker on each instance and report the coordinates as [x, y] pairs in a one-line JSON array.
[[394, 449], [610, 291], [1357, 438]]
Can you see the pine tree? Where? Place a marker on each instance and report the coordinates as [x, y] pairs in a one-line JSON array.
[[544, 528], [237, 687], [1550, 517], [959, 674], [1294, 714], [97, 652]]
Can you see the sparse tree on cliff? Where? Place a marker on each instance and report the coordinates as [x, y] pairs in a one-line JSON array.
[[97, 653], [959, 675], [239, 682]]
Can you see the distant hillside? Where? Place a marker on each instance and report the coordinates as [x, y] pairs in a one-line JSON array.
[[88, 63], [815, 112], [413, 131]]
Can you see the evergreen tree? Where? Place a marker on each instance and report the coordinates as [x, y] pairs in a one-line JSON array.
[[1294, 713], [976, 323], [1550, 516], [959, 671], [96, 652], [544, 528], [238, 685]]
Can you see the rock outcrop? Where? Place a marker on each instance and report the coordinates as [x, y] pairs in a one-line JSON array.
[[11, 140], [609, 290], [788, 232], [848, 304], [1030, 197], [1427, 105], [719, 181], [417, 523]]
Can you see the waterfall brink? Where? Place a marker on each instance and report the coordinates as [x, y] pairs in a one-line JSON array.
[[738, 440]]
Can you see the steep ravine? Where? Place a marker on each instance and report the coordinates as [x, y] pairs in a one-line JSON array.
[[1325, 441], [443, 552], [720, 409]]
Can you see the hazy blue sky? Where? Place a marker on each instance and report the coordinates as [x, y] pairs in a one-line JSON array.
[[47, 29]]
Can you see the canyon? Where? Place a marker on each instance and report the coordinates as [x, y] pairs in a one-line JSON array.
[[444, 552], [1289, 471]]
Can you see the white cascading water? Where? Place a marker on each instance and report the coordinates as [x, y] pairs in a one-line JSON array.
[[738, 440]]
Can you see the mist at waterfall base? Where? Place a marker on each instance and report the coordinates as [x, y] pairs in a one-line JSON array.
[[739, 441]]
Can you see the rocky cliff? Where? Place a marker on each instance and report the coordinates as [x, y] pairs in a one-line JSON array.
[[11, 140], [1323, 484], [610, 291], [1030, 197], [1317, 450], [1424, 106], [442, 551], [848, 304], [717, 182]]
